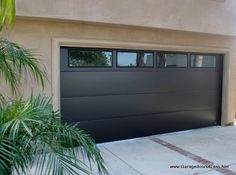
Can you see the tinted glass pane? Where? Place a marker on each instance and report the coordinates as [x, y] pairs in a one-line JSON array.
[[203, 61], [134, 59], [89, 58], [172, 60]]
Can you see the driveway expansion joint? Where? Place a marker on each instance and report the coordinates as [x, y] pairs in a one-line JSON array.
[[126, 163]]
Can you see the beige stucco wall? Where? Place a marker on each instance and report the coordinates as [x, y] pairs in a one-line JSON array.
[[41, 36], [206, 16]]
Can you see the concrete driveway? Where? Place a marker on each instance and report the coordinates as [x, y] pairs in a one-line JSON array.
[[208, 151]]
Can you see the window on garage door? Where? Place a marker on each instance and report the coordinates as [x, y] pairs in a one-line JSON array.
[[200, 60], [172, 60], [82, 57], [135, 59]]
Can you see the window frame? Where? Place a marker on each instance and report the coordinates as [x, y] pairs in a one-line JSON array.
[[203, 54], [133, 51], [90, 49], [171, 52], [114, 60]]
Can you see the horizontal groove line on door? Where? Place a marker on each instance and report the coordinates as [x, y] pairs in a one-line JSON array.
[[147, 114], [137, 70], [140, 93]]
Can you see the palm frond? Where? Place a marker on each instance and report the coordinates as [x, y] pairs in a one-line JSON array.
[[16, 60], [7, 13], [10, 153], [37, 130], [3, 101]]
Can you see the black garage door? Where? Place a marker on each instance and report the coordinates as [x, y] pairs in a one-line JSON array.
[[118, 94]]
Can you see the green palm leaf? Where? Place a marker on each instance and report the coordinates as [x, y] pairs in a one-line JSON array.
[[30, 131], [7, 13], [16, 61], [38, 136]]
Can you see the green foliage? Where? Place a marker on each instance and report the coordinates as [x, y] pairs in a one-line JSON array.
[[7, 13], [15, 62], [32, 133]]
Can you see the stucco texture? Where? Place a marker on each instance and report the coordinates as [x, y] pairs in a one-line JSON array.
[[205, 16], [38, 35]]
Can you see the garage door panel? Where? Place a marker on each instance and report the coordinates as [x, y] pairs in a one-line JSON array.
[[106, 83], [100, 107], [115, 129], [118, 94]]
